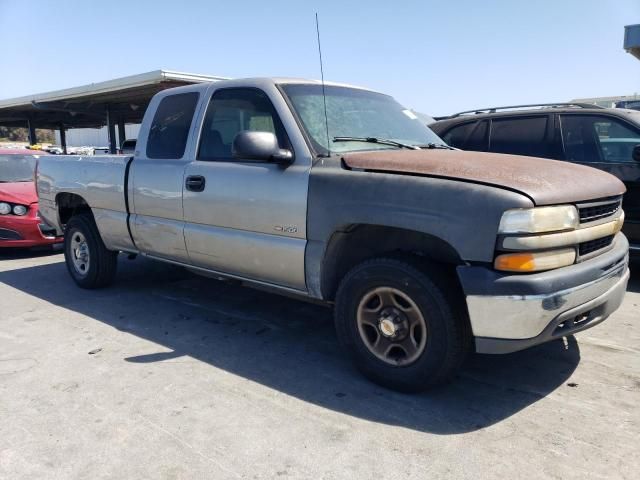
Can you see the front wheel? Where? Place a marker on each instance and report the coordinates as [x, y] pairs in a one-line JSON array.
[[399, 324], [89, 262]]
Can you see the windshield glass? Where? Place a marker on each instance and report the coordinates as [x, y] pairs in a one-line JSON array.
[[355, 113], [16, 168]]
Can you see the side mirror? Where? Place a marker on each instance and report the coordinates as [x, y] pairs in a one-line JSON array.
[[636, 153], [260, 146]]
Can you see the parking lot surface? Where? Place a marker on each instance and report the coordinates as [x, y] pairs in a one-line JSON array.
[[169, 375]]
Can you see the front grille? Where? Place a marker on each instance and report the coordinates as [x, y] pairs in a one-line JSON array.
[[585, 248], [6, 234], [592, 212]]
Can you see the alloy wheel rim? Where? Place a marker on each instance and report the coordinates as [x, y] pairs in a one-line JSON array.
[[80, 253], [391, 326]]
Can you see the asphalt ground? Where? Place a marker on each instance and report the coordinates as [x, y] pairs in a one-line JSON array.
[[167, 375]]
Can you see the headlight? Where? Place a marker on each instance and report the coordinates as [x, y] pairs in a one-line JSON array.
[[5, 208], [539, 219], [20, 210]]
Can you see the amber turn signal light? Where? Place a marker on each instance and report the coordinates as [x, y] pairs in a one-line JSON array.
[[535, 262]]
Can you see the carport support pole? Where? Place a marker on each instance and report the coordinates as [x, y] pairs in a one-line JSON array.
[[111, 128], [32, 132], [63, 139], [121, 132]]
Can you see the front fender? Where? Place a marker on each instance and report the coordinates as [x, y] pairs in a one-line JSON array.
[[463, 214]]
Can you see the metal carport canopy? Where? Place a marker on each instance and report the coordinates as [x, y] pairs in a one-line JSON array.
[[632, 40], [118, 101]]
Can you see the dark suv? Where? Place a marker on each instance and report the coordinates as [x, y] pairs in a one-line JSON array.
[[604, 138]]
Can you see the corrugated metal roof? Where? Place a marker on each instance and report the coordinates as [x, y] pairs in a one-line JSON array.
[[109, 86], [86, 106], [632, 40]]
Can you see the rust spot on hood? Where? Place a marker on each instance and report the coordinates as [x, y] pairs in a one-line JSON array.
[[546, 182]]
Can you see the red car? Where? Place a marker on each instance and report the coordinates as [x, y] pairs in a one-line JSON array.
[[20, 225]]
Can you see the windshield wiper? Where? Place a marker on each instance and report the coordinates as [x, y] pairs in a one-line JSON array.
[[381, 141], [442, 146]]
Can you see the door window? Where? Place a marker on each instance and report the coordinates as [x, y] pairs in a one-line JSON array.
[[520, 136], [469, 136], [170, 126], [231, 111], [478, 140], [457, 136], [596, 138]]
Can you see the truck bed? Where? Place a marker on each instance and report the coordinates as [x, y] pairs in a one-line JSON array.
[[99, 180]]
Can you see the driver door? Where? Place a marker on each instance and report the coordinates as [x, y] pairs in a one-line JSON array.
[[245, 217]]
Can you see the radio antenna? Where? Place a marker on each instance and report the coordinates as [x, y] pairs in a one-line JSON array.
[[324, 97]]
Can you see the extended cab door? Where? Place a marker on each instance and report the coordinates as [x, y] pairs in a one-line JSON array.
[[245, 217], [157, 173]]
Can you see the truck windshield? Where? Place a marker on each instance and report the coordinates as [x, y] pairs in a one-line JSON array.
[[16, 168], [356, 113]]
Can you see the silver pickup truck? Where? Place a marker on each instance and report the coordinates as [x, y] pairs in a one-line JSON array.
[[339, 194]]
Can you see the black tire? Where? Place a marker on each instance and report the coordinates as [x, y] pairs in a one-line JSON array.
[[430, 289], [102, 263]]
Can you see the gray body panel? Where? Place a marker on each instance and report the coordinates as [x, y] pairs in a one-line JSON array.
[[235, 225], [157, 222], [463, 215], [99, 180], [250, 220], [157, 219]]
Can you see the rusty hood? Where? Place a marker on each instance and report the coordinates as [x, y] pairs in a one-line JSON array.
[[546, 182]]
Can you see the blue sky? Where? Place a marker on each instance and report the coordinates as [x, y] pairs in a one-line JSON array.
[[437, 57]]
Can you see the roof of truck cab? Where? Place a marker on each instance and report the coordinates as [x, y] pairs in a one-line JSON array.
[[288, 81]]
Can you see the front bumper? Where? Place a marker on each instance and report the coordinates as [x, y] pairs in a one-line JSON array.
[[512, 312]]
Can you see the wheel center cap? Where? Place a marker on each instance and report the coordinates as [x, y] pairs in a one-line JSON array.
[[387, 327], [81, 252]]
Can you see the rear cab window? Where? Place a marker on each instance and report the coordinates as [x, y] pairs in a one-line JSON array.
[[170, 126]]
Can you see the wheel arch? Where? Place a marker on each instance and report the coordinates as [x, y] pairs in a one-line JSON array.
[[353, 244], [70, 204]]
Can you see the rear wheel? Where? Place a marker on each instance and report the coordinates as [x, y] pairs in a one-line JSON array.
[[89, 262], [399, 324]]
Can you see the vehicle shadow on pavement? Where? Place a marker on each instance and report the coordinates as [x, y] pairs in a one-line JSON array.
[[17, 253], [289, 345], [634, 281]]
